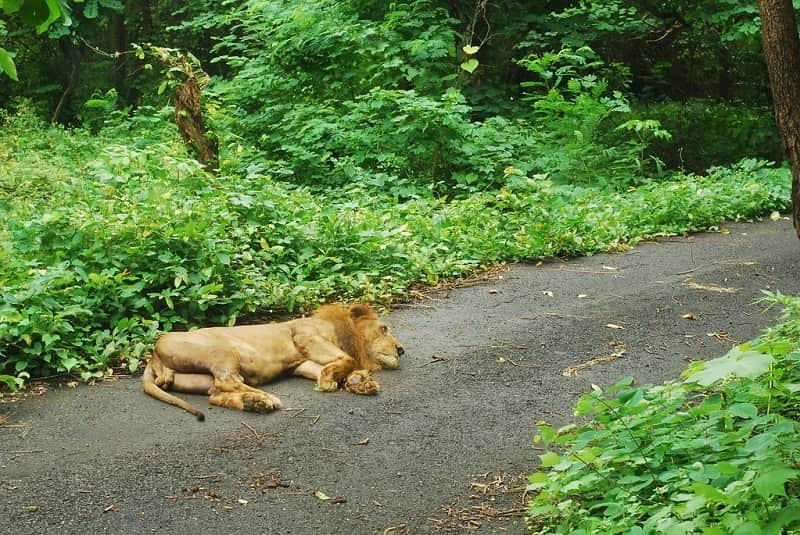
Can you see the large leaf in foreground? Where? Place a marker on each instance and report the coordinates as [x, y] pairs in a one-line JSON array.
[[739, 362]]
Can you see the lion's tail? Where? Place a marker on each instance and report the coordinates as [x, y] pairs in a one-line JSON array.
[[150, 387]]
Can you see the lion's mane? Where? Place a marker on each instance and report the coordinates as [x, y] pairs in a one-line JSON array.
[[349, 338]]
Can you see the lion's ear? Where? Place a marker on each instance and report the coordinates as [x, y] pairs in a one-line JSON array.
[[360, 310]]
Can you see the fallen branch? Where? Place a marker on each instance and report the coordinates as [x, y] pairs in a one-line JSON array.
[[710, 287], [521, 365], [572, 371]]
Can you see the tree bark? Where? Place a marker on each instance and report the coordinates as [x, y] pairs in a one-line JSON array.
[[782, 54], [74, 56], [189, 118], [120, 63], [188, 108]]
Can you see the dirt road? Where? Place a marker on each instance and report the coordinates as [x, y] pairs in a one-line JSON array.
[[446, 444]]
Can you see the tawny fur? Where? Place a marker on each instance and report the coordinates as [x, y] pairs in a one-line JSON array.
[[336, 345]]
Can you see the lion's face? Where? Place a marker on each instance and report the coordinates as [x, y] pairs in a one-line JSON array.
[[381, 346]]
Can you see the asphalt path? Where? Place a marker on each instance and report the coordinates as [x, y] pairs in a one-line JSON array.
[[444, 447]]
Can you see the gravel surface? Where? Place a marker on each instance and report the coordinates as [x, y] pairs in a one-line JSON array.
[[445, 446]]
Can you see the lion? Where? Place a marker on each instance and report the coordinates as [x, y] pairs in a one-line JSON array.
[[337, 344]]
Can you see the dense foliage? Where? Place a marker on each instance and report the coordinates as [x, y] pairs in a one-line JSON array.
[[366, 146], [713, 454], [105, 247]]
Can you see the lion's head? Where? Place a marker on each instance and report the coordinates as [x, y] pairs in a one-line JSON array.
[[363, 336]]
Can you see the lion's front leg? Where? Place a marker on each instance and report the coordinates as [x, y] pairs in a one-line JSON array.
[[326, 361], [332, 374], [328, 377]]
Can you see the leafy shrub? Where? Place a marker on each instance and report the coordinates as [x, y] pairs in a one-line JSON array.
[[715, 453], [395, 141], [677, 458], [109, 245], [577, 112], [379, 107], [328, 49], [709, 133]]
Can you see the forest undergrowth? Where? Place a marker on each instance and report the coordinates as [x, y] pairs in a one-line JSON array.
[[120, 235]]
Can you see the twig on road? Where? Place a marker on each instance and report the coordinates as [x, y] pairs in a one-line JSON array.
[[518, 365], [434, 360], [258, 436], [572, 371]]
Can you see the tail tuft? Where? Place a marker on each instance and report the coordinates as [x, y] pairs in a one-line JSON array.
[[201, 417]]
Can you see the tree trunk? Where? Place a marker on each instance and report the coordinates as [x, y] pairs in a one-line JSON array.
[[74, 56], [188, 108], [782, 54], [189, 118], [146, 12], [120, 63]]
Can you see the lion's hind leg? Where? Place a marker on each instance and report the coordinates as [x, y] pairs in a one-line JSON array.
[[231, 391], [163, 376], [215, 365]]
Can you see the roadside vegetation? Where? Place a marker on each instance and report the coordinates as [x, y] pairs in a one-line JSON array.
[[713, 453], [108, 241], [352, 149]]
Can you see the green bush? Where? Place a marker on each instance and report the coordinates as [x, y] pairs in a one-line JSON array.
[[393, 141], [714, 454], [109, 245], [583, 134], [707, 133]]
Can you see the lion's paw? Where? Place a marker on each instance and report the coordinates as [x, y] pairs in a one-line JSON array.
[[327, 385], [165, 380], [361, 382], [260, 403]]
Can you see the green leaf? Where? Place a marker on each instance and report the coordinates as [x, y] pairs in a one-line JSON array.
[[11, 6], [34, 12], [96, 103], [539, 477], [68, 363], [726, 468], [546, 434], [7, 64], [470, 50], [470, 65], [631, 397], [91, 9], [743, 410], [623, 383], [538, 480], [772, 482], [707, 491], [550, 459], [12, 382], [749, 364]]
